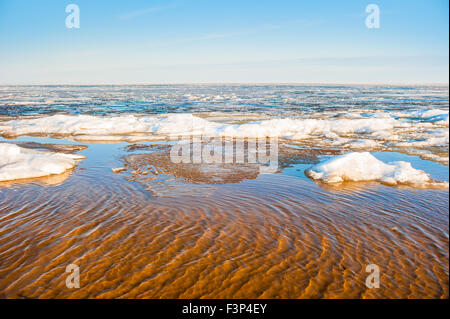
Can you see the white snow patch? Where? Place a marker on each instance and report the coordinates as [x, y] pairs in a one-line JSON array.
[[437, 138], [187, 124], [364, 166], [364, 144], [19, 163]]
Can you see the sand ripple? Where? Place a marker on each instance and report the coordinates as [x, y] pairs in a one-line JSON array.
[[273, 237]]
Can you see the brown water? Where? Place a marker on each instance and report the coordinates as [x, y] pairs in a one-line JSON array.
[[249, 235]]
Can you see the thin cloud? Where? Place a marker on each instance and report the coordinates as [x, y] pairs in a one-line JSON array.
[[213, 36], [137, 13], [243, 32], [238, 33]]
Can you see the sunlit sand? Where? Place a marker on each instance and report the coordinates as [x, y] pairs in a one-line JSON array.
[[350, 189]]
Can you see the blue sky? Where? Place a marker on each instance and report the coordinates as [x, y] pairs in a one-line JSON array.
[[206, 41]]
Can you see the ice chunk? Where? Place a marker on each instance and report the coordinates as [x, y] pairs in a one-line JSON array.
[[187, 124], [364, 144], [356, 166], [438, 138], [19, 163]]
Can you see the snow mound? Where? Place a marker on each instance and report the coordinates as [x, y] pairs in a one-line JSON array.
[[188, 124], [19, 163], [356, 167]]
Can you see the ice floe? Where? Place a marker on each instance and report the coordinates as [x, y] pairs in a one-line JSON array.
[[412, 131], [188, 124], [20, 163], [363, 166]]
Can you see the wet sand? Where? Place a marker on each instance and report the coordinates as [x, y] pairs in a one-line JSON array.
[[249, 235]]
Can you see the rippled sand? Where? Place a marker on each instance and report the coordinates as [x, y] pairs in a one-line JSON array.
[[257, 236]]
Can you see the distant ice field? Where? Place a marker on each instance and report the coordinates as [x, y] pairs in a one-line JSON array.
[[412, 120], [274, 100]]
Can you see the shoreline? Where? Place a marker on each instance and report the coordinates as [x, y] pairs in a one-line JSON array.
[[276, 235]]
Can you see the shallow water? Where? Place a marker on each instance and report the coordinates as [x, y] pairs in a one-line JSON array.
[[159, 230], [266, 236]]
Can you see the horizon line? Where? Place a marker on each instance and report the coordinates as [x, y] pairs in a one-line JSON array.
[[232, 83]]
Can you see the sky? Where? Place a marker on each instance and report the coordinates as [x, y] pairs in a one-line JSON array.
[[223, 41]]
